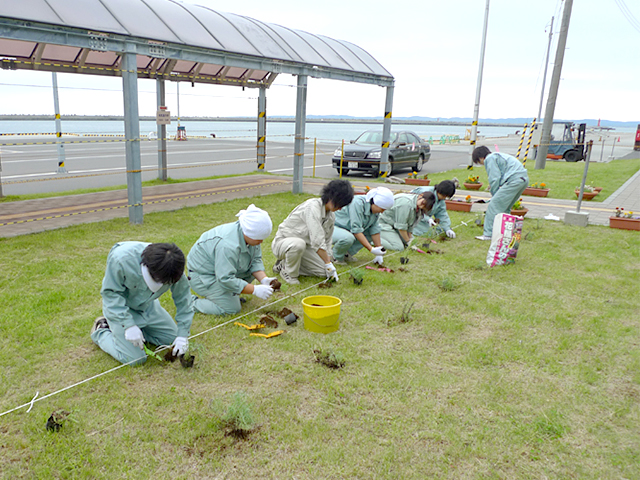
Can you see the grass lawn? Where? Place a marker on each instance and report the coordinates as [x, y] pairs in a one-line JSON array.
[[526, 371]]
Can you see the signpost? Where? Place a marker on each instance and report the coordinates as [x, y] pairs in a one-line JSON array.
[[163, 118]]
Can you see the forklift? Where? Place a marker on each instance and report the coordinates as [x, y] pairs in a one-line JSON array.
[[569, 147]]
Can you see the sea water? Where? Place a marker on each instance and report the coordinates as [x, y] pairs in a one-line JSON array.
[[276, 131]]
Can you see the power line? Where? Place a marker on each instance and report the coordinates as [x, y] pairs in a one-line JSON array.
[[628, 15]]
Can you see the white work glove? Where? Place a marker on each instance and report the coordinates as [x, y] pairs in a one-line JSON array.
[[378, 251], [267, 281], [331, 271], [262, 291], [450, 233], [432, 222], [180, 346], [134, 335], [378, 260]]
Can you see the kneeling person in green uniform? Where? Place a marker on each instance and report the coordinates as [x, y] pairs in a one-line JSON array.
[[443, 191], [137, 274], [226, 259], [397, 223], [357, 225]]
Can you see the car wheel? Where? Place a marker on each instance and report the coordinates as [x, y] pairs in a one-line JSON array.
[[418, 166], [571, 156], [390, 171], [345, 171]]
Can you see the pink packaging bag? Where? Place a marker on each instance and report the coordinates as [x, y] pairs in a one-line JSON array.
[[505, 240]]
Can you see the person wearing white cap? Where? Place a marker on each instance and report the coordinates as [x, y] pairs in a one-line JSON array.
[[226, 259], [357, 225]]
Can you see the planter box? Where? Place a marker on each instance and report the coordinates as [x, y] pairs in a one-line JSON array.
[[625, 223], [458, 206], [536, 192], [586, 195], [359, 193], [520, 213], [422, 182], [472, 186]]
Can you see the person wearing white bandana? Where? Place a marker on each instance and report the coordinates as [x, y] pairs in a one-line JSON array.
[[136, 276], [226, 259], [357, 226]]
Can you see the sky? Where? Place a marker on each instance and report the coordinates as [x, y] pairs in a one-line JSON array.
[[432, 48]]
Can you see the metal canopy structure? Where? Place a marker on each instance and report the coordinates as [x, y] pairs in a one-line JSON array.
[[171, 40]]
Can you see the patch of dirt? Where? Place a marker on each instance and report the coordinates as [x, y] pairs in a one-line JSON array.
[[329, 359], [275, 284], [268, 321]]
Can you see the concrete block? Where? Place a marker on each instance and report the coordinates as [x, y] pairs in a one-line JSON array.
[[580, 219]]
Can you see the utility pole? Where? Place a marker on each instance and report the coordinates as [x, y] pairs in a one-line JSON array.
[[476, 108], [541, 158]]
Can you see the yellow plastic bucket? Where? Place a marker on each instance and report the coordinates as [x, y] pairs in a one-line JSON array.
[[321, 313]]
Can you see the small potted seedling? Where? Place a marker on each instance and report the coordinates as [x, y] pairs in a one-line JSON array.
[[357, 275], [57, 419]]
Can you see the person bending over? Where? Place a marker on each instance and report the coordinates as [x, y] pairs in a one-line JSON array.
[[507, 180], [397, 223], [443, 191], [357, 225]]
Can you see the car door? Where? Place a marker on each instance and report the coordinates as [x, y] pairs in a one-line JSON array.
[[413, 149], [400, 157]]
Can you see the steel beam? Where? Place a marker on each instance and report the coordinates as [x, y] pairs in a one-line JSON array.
[[301, 117], [132, 135]]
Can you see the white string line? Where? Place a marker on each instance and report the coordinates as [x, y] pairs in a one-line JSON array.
[[36, 399]]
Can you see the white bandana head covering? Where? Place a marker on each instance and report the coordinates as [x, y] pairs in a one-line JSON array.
[[382, 197], [148, 279], [255, 222]]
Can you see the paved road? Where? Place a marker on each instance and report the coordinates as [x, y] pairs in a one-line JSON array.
[[99, 162]]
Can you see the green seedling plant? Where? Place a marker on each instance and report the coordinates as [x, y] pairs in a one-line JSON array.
[[447, 284], [330, 359], [239, 419]]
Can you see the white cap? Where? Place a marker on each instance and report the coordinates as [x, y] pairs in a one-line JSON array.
[[255, 222], [382, 197]]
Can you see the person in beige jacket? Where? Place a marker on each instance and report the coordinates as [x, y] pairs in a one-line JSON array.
[[302, 244]]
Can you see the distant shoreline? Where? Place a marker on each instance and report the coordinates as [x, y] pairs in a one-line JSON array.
[[370, 121]]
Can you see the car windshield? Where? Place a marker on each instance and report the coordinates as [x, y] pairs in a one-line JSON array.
[[374, 138]]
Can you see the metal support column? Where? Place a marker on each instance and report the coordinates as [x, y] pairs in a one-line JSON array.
[[301, 117], [162, 133], [385, 168], [132, 134], [262, 127], [56, 107]]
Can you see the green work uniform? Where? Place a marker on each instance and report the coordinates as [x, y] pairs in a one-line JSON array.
[[356, 217], [128, 301], [220, 265]]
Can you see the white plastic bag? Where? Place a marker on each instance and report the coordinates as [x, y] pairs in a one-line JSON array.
[[505, 239]]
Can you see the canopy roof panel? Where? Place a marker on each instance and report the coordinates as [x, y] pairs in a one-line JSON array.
[[172, 39]]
